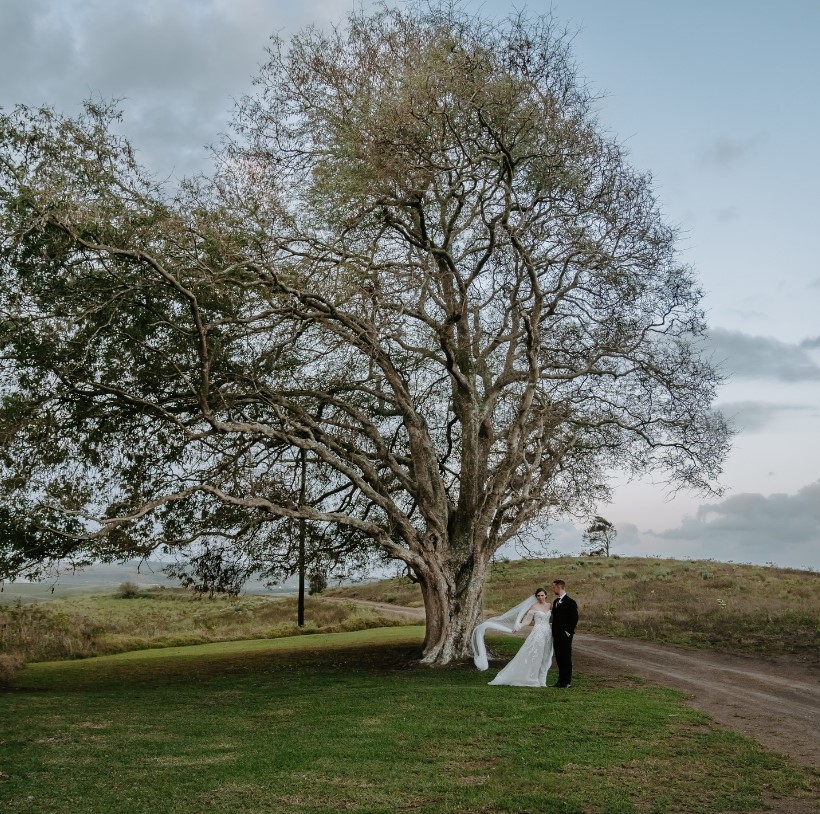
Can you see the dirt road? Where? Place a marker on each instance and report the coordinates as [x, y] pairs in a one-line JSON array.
[[776, 703]]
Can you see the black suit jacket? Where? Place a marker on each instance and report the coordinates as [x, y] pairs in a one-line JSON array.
[[564, 616]]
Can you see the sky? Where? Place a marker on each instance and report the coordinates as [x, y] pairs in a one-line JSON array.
[[716, 98]]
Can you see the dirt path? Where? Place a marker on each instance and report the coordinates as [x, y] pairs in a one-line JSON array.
[[776, 703]]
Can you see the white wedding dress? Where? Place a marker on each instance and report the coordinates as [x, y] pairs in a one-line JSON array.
[[531, 662]]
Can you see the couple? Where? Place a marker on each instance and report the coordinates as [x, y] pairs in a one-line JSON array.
[[553, 629]]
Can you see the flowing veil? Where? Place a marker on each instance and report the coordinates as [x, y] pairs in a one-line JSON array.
[[508, 622]]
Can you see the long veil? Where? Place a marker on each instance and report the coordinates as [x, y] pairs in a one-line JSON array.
[[508, 622]]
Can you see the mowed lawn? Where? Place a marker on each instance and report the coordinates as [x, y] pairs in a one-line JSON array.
[[350, 722]]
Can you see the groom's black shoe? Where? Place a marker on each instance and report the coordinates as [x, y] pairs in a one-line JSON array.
[[560, 686]]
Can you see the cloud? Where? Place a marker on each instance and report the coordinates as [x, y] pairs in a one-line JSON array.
[[742, 355], [753, 416], [748, 313], [813, 342], [750, 527], [726, 215], [177, 67], [565, 537], [726, 152], [628, 535]]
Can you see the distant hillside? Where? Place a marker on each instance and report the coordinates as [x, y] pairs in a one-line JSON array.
[[733, 607], [102, 578], [140, 618]]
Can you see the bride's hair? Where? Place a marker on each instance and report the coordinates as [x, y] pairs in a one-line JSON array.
[[540, 591]]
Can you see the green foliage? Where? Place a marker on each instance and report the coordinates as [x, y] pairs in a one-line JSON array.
[[599, 537], [317, 581], [346, 723], [215, 570]]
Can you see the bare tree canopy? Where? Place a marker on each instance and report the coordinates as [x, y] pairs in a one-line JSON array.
[[419, 262]]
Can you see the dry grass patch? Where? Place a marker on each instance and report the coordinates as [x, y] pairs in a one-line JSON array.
[[104, 624]]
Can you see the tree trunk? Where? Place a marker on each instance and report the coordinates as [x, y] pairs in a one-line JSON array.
[[452, 595]]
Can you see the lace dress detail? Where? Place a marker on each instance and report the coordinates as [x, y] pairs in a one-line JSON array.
[[530, 665]]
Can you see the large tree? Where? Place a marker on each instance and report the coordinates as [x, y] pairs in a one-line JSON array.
[[419, 270]]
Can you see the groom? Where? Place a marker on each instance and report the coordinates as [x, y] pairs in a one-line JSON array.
[[564, 619]]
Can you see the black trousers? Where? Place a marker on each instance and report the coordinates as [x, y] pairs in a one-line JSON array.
[[562, 644]]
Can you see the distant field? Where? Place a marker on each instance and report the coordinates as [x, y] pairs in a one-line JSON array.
[[351, 722], [736, 608], [106, 622], [733, 607], [104, 578]]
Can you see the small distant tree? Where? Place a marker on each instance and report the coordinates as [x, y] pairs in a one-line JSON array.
[[211, 570], [599, 537], [317, 581]]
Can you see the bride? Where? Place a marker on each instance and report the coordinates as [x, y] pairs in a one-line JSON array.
[[530, 665]]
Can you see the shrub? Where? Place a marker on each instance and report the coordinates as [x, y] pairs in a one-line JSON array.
[[42, 633], [128, 590], [10, 665]]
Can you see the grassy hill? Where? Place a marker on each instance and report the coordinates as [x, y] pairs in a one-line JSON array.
[[733, 607], [736, 608]]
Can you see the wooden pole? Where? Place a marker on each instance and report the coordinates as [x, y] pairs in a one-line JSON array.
[[300, 613]]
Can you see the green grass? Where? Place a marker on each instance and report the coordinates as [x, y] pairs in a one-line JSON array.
[[747, 609], [350, 722]]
